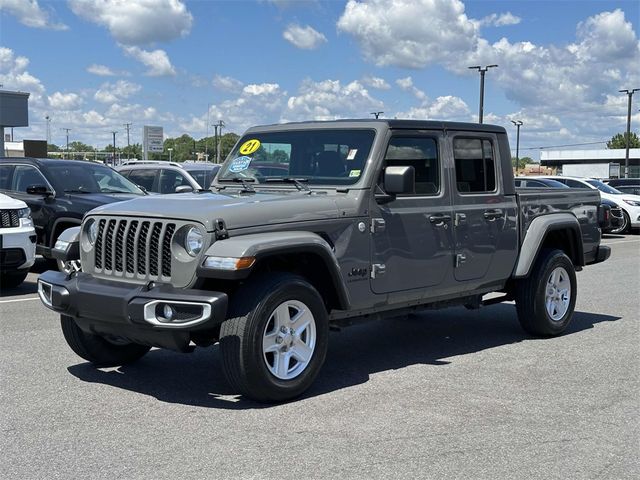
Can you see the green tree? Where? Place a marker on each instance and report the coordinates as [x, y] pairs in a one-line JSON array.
[[132, 151], [619, 140], [52, 148], [80, 147], [523, 161]]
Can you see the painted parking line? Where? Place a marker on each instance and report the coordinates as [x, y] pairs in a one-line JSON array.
[[614, 242], [20, 300]]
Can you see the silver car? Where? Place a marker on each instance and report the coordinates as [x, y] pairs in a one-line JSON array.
[[170, 177]]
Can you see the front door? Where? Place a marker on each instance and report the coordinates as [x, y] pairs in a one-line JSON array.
[[412, 235], [481, 209]]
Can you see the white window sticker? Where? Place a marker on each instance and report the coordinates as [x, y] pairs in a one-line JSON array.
[[240, 164], [354, 173], [352, 155]]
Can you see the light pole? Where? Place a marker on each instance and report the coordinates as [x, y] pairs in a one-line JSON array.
[[518, 124], [170, 150], [48, 119], [376, 114], [67, 130], [482, 72], [220, 125], [628, 138], [114, 147]]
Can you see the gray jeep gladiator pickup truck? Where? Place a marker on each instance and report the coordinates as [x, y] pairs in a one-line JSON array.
[[314, 224]]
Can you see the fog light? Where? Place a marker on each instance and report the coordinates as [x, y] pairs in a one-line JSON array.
[[167, 312]]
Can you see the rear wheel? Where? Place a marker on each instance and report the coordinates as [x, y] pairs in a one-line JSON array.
[[274, 347], [626, 222], [101, 351], [12, 279], [545, 301]]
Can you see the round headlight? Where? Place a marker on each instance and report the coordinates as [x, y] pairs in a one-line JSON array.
[[92, 232], [193, 241]]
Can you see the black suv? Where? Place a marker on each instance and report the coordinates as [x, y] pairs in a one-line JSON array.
[[60, 192]]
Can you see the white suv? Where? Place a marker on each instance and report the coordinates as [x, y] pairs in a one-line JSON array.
[[17, 242], [630, 204]]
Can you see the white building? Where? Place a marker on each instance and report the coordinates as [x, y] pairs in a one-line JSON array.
[[592, 163]]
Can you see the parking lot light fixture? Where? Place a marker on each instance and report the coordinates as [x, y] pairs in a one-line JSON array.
[[482, 71], [518, 124], [629, 94]]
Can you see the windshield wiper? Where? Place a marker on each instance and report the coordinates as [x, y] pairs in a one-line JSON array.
[[109, 190], [296, 181], [246, 186], [77, 191]]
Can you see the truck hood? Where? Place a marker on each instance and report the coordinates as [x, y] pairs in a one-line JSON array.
[[10, 203], [237, 210]]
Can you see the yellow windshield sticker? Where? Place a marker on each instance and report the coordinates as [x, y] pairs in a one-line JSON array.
[[249, 147]]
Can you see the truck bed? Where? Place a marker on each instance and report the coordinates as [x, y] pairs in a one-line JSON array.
[[534, 202]]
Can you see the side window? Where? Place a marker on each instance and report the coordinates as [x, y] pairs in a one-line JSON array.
[[421, 153], [25, 176], [5, 176], [144, 178], [535, 184], [518, 183], [170, 180], [574, 183], [475, 165]]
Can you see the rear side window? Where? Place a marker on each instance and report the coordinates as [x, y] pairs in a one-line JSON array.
[[145, 178], [475, 165], [170, 180], [573, 183], [421, 153], [5, 176]]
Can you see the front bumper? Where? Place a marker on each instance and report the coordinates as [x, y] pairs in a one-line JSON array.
[[602, 253], [134, 312], [17, 248]]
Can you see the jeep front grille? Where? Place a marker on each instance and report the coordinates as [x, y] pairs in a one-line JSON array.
[[131, 248], [9, 218]]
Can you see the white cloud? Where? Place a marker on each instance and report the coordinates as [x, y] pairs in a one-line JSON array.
[[138, 22], [375, 82], [306, 38], [100, 70], [29, 13], [261, 89], [409, 33], [227, 84], [14, 76], [500, 20], [407, 85], [65, 101], [156, 61], [447, 108], [330, 99], [114, 92]]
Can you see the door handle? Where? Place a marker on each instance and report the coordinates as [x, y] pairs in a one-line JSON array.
[[439, 219], [492, 214]]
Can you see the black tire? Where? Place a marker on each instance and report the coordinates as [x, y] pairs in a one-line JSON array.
[[241, 337], [531, 292], [98, 350], [12, 279]]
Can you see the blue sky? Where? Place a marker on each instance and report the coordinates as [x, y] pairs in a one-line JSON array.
[[93, 65]]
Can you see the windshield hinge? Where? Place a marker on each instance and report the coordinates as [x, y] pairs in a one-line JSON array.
[[221, 229]]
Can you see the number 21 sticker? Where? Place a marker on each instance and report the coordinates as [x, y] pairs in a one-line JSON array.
[[250, 146]]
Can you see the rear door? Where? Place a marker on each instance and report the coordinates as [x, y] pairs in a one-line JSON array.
[[481, 209], [412, 235]]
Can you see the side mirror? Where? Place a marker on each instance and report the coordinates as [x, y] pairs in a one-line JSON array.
[[398, 180], [39, 190], [142, 188], [184, 189]]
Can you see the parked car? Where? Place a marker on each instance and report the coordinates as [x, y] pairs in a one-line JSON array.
[[60, 192], [17, 242], [615, 218], [630, 204], [373, 218], [170, 177], [625, 185], [528, 182]]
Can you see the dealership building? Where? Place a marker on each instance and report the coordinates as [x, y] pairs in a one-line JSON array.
[[608, 163]]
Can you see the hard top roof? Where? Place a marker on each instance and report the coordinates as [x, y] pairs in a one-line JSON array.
[[48, 161]]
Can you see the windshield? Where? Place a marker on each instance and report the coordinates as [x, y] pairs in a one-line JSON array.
[[317, 157], [90, 178], [203, 177], [603, 187]]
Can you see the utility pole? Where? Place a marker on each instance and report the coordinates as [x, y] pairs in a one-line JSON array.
[[518, 124], [48, 119], [376, 114], [482, 72], [629, 93], [170, 150], [220, 125], [127, 126], [114, 148], [67, 130]]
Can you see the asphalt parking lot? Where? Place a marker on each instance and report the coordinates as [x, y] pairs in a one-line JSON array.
[[444, 394]]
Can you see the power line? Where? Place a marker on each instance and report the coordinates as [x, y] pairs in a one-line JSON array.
[[565, 145]]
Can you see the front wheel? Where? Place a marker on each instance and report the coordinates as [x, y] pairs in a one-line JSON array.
[[626, 223], [273, 348], [545, 301], [101, 351]]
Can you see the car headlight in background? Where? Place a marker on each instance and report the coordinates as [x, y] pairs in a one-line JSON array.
[[632, 202], [193, 241], [24, 214], [92, 231]]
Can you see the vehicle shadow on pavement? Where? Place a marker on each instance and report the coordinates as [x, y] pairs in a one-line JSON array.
[[30, 285], [355, 353]]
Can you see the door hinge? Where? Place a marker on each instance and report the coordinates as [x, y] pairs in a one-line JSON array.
[[461, 258], [460, 219], [221, 229], [378, 225], [378, 269]]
